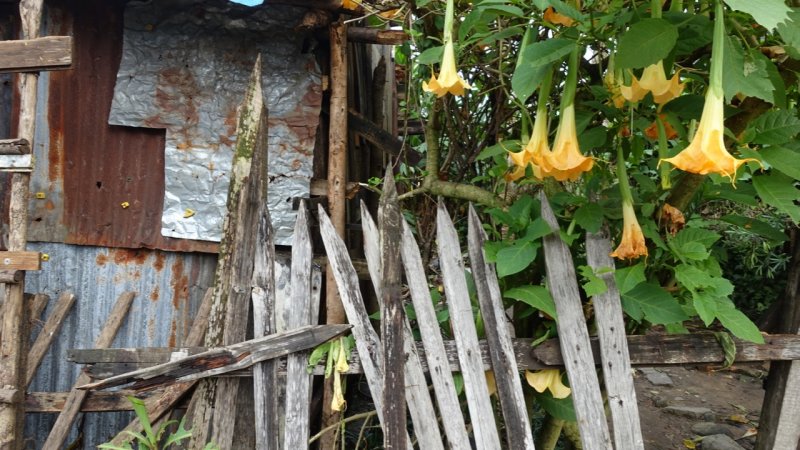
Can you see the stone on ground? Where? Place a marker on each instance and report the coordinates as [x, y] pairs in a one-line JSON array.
[[694, 412], [719, 442]]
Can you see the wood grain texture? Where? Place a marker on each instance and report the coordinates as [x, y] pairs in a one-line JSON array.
[[53, 402], [465, 334], [298, 382], [440, 360], [73, 403], [48, 333], [367, 341], [32, 55], [418, 398], [498, 336], [376, 36], [20, 260], [574, 337], [265, 383], [610, 323]]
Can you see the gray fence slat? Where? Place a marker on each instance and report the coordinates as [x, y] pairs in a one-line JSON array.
[[436, 355], [574, 337], [418, 398], [504, 363], [465, 334], [367, 342], [298, 381], [614, 354]]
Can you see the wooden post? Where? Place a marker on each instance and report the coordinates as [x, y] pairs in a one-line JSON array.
[[337, 185], [392, 317], [216, 399], [779, 426], [14, 337], [72, 406], [48, 333]]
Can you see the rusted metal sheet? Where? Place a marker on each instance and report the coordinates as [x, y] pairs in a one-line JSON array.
[[94, 184], [169, 286]]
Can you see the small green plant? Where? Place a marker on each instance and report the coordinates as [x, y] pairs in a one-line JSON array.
[[151, 440]]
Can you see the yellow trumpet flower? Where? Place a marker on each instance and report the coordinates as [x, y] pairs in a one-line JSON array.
[[338, 403], [548, 379], [533, 151], [448, 81], [632, 244], [706, 153], [565, 162], [654, 81]]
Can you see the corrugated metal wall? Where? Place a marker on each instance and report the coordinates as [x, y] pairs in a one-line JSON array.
[[169, 285]]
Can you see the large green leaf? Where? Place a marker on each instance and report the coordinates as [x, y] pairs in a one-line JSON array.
[[534, 62], [432, 55], [560, 408], [778, 190], [738, 324], [782, 159], [790, 32], [756, 226], [775, 127], [516, 257], [629, 277], [695, 30], [590, 217], [593, 284], [535, 296], [768, 13], [650, 301], [692, 243], [646, 42], [745, 73]]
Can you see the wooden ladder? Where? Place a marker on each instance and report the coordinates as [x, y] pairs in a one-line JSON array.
[[28, 56]]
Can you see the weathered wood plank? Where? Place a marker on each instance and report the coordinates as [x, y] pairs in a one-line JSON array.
[[610, 324], [32, 55], [265, 386], [779, 426], [506, 373], [367, 342], [225, 359], [16, 163], [17, 146], [102, 401], [298, 381], [48, 333], [574, 337], [464, 332], [376, 36], [372, 132], [158, 406], [36, 304], [440, 360], [420, 404], [72, 406], [11, 276], [20, 260]]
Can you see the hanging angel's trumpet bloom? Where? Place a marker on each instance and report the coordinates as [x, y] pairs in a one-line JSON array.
[[565, 162], [632, 244], [614, 86], [706, 153], [448, 80], [337, 402], [553, 17], [533, 151], [654, 81], [548, 379]]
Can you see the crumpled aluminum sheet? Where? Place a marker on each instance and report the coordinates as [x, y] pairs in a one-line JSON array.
[[185, 67]]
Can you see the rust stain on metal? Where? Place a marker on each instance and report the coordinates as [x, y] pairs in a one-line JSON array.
[[173, 329], [159, 262], [101, 259], [180, 284], [155, 294], [126, 256], [101, 165]]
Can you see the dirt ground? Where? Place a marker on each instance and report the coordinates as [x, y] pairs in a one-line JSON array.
[[734, 397]]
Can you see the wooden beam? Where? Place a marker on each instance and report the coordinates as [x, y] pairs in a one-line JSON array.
[[16, 163], [222, 360], [374, 134], [32, 55], [10, 395], [72, 406], [376, 36], [20, 260], [319, 187], [17, 146], [11, 276], [47, 334], [53, 402]]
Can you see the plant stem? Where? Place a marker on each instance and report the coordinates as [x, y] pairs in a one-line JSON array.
[[666, 183], [549, 434], [352, 418]]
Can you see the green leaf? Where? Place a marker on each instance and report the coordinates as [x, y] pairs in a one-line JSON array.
[[516, 257], [756, 226], [534, 62], [745, 73], [778, 190], [706, 306], [728, 347], [504, 34], [511, 145], [629, 277], [503, 10], [560, 408], [790, 32], [776, 127], [536, 296], [768, 13], [782, 159], [144, 420], [180, 434], [593, 285], [590, 217], [537, 229], [738, 324], [646, 42], [519, 212], [317, 354], [695, 30], [691, 244], [744, 194], [654, 303], [432, 55], [110, 446], [526, 80]]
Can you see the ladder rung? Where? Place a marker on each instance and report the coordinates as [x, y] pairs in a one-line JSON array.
[[19, 146], [16, 163]]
